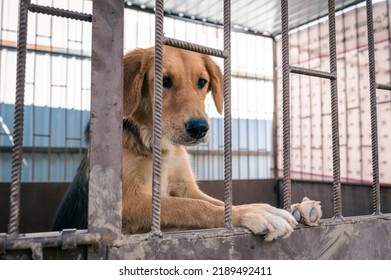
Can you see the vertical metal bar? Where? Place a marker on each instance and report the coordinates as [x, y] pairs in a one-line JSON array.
[[17, 156], [105, 186], [334, 113], [227, 117], [286, 106], [373, 105], [157, 118]]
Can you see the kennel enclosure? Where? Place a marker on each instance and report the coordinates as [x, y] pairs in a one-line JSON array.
[[341, 237]]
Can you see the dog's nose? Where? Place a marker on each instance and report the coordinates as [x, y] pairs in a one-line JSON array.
[[197, 128]]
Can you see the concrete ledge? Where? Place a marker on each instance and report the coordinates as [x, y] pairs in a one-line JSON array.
[[366, 237]]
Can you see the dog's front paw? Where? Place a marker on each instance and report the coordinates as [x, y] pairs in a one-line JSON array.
[[266, 219]]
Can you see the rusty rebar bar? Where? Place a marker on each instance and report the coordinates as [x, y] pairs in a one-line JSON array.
[[194, 47], [334, 113], [59, 12], [157, 118], [312, 72], [17, 154], [384, 86], [227, 117], [286, 125], [373, 108]]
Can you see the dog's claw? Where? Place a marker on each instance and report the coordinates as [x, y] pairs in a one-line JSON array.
[[264, 219]]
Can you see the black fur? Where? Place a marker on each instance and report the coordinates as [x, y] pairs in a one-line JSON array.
[[73, 210]]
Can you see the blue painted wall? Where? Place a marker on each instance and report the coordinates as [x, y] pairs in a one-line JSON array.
[[63, 128]]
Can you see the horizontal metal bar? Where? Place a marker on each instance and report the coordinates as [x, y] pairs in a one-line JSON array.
[[78, 150], [49, 239], [194, 47], [59, 12], [383, 86], [312, 72]]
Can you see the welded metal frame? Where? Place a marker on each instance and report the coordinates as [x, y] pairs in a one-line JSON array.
[[287, 69], [332, 76], [161, 40], [13, 240], [104, 225]]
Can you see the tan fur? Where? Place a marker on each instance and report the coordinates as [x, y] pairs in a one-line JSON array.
[[183, 205]]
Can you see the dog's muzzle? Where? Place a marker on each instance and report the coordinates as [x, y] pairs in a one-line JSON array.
[[197, 128]]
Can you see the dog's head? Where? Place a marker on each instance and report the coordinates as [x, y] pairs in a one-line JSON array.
[[187, 78]]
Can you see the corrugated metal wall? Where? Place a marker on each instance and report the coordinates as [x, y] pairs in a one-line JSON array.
[[58, 92], [310, 99]]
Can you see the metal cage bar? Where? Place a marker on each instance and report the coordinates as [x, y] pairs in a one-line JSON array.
[[59, 12], [194, 47], [312, 72], [373, 108], [157, 118], [17, 154], [383, 86], [227, 118], [334, 113], [286, 123]]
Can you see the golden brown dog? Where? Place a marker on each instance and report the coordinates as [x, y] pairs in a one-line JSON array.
[[188, 77]]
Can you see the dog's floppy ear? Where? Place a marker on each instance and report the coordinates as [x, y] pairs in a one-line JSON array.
[[135, 67], [216, 83]]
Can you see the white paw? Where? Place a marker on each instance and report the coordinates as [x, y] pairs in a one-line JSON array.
[[308, 212], [266, 219]]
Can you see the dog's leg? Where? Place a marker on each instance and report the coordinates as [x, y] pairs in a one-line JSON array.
[[187, 213], [183, 184], [182, 213], [192, 191]]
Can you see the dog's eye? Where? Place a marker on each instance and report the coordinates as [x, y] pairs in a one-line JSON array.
[[167, 82], [201, 83]]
